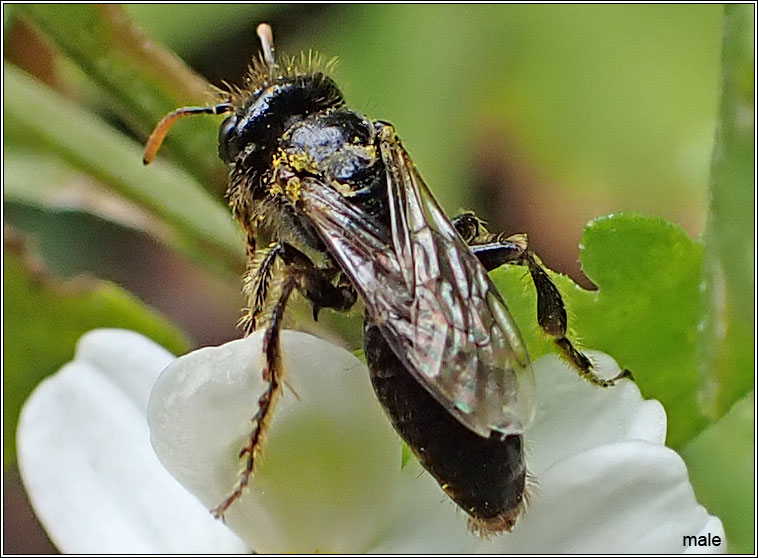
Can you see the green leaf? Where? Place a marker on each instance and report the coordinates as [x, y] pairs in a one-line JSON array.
[[726, 343], [405, 456], [142, 81], [721, 462], [200, 226], [34, 180], [644, 313], [45, 319]]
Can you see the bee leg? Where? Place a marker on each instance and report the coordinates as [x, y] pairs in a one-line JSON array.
[[551, 315], [494, 251], [256, 284], [317, 285], [494, 254], [319, 290], [272, 373], [321, 293]]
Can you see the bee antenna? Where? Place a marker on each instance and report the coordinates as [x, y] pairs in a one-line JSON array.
[[161, 129], [266, 36]]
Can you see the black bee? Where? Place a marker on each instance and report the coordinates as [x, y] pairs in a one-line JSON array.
[[334, 207]]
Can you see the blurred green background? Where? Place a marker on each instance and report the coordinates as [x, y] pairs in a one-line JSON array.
[[538, 117]]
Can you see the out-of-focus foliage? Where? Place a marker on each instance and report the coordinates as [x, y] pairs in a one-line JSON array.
[[727, 335], [138, 80], [45, 319], [197, 224], [721, 462]]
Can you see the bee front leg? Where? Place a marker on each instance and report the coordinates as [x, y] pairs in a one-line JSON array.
[[257, 282], [272, 373], [266, 282], [493, 251]]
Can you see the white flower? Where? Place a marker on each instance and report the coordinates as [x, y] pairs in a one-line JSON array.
[[85, 457], [329, 479]]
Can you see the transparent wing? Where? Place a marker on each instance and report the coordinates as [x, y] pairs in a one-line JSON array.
[[431, 298]]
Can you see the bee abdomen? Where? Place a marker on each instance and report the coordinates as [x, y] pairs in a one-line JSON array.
[[485, 476]]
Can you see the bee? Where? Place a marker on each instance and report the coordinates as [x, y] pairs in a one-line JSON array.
[[334, 208]]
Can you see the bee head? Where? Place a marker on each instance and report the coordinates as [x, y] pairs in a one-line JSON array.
[[278, 97], [254, 129], [274, 99]]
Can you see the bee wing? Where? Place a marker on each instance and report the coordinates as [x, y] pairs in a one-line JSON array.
[[431, 298]]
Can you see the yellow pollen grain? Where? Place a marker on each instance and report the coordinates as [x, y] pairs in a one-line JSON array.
[[302, 162], [343, 189], [293, 188], [275, 189]]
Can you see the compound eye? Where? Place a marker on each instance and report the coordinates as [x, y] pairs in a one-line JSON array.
[[227, 148]]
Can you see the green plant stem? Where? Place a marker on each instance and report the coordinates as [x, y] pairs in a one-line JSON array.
[[726, 332]]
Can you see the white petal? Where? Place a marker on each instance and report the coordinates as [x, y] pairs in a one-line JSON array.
[[574, 415], [86, 460], [426, 520], [629, 497], [580, 499], [325, 479], [321, 486]]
